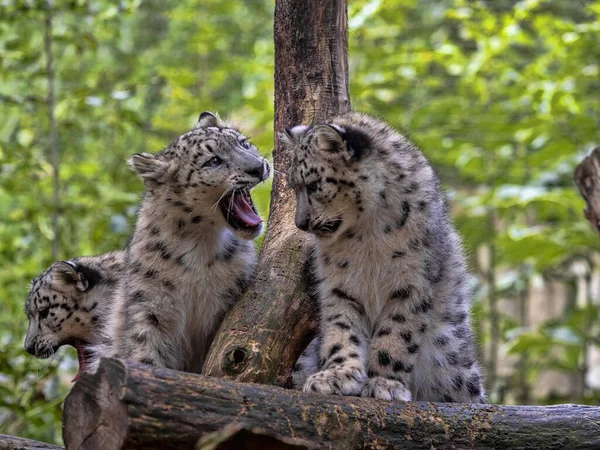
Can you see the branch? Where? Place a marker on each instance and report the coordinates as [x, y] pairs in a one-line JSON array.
[[587, 178], [131, 405]]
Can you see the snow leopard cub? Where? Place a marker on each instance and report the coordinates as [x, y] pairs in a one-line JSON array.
[[392, 277], [69, 303], [192, 252]]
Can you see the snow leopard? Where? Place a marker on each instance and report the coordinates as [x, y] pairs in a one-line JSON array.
[[192, 253], [68, 303], [391, 275]]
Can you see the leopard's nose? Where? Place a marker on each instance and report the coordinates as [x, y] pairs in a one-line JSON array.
[[302, 223], [30, 348], [260, 171]]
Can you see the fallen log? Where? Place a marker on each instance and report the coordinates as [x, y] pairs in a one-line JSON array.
[[131, 405], [236, 437], [17, 443]]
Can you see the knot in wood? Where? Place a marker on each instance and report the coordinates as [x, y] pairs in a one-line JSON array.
[[235, 360]]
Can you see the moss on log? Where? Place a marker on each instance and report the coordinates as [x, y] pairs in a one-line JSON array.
[[131, 405]]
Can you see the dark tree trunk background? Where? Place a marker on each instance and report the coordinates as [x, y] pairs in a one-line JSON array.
[[587, 178], [131, 405], [263, 335]]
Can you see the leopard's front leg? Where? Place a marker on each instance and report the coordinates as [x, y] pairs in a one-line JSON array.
[[344, 346]]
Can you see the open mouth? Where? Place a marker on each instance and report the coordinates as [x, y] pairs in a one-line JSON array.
[[239, 211], [328, 228]]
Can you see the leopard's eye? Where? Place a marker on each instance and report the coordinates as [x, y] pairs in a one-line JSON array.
[[215, 161], [245, 144]]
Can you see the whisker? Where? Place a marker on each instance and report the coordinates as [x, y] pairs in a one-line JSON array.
[[214, 207]]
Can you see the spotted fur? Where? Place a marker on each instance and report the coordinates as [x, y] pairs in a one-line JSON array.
[[187, 260], [69, 302], [393, 291]]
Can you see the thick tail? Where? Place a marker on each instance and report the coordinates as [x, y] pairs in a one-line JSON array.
[[307, 364]]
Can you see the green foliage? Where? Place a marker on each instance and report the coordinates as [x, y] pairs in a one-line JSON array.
[[499, 94]]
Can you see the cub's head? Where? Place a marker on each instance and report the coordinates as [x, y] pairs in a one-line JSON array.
[[205, 177], [56, 309], [327, 174]]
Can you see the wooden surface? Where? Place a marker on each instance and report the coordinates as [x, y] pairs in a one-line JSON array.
[[263, 335], [130, 405], [17, 443]]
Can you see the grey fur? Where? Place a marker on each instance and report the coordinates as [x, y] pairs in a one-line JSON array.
[[186, 262], [394, 295], [69, 301]]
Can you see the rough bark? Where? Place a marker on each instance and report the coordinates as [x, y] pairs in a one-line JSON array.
[[236, 437], [587, 178], [17, 443], [265, 332], [130, 405]]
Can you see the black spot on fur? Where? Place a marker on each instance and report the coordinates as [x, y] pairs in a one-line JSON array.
[[473, 386], [413, 348], [442, 340], [400, 318], [399, 366], [336, 348], [404, 214], [196, 219], [353, 302], [342, 325], [384, 332], [452, 358], [343, 264], [398, 254], [384, 358], [138, 296], [402, 293], [406, 335], [412, 187], [332, 318], [153, 319], [458, 382], [148, 361], [354, 339]]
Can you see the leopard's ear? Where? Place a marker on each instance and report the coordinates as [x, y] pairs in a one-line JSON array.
[[329, 137], [153, 171], [289, 135], [68, 273], [207, 119]]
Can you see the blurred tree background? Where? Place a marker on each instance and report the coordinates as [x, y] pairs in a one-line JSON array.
[[499, 94]]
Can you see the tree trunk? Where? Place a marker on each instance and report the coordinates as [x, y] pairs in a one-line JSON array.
[[265, 332], [131, 405], [17, 443], [587, 178]]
